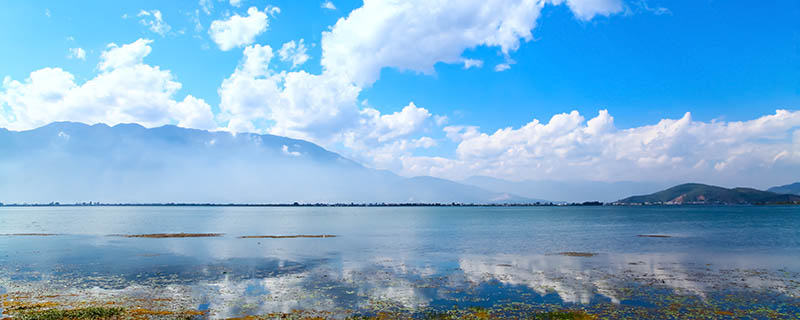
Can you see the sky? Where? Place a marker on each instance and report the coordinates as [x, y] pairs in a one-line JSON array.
[[601, 90]]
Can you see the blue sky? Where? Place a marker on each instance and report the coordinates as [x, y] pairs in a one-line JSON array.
[[722, 61]]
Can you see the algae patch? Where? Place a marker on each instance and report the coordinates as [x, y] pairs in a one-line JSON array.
[[76, 314], [168, 235], [577, 254], [290, 236]]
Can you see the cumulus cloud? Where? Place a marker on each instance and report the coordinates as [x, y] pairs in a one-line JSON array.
[[154, 21], [569, 148], [389, 126], [237, 31], [300, 104], [324, 108], [321, 108], [125, 90], [424, 32], [294, 52], [127, 55], [76, 53]]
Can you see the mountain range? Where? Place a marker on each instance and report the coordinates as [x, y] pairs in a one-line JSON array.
[[793, 188], [695, 193], [127, 163], [73, 162]]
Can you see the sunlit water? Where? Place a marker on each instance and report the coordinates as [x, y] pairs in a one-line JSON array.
[[735, 259]]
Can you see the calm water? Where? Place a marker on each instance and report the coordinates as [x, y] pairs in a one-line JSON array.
[[736, 260]]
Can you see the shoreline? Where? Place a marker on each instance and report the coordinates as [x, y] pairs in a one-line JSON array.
[[378, 205]]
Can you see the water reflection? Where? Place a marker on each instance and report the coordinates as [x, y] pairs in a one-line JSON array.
[[407, 260], [230, 280]]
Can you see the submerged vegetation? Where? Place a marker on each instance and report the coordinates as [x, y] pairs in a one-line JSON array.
[[76, 314], [290, 237], [577, 254], [169, 235]]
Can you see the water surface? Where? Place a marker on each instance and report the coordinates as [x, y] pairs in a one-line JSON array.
[[724, 261]]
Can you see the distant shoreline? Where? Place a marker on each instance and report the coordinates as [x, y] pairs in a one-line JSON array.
[[374, 205], [297, 204]]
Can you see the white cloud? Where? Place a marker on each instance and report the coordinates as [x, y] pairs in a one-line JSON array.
[[502, 67], [285, 150], [472, 63], [126, 90], [193, 113], [569, 148], [325, 109], [588, 9], [389, 126], [47, 12], [440, 120], [245, 94], [294, 52], [238, 30], [320, 108], [76, 53], [328, 5], [206, 5], [154, 21], [236, 3], [298, 104], [125, 56], [424, 33]]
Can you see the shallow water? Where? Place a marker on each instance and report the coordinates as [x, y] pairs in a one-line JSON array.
[[740, 260]]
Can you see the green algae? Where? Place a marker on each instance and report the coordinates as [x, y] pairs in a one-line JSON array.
[[577, 254], [290, 236], [72, 314]]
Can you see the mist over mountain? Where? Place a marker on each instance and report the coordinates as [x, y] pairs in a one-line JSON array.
[[127, 163], [567, 191]]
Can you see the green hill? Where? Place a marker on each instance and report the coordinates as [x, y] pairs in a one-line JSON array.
[[695, 193], [793, 188]]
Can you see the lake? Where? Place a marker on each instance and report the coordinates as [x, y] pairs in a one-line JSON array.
[[707, 261]]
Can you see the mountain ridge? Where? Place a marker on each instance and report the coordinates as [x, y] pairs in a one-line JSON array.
[[128, 163], [792, 188], [697, 193]]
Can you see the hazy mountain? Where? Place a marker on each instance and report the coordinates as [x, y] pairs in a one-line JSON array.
[[793, 188], [695, 193], [567, 191], [71, 162]]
